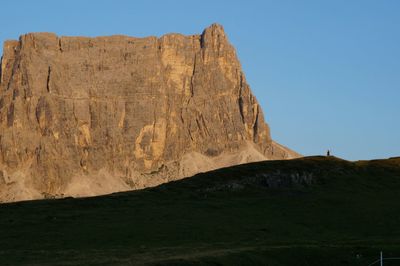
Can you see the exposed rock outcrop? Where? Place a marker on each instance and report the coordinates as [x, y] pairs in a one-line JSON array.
[[86, 116]]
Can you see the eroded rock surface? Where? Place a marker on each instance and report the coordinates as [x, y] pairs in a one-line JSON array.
[[87, 116]]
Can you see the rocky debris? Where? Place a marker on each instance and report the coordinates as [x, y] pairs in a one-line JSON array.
[[272, 180], [87, 116]]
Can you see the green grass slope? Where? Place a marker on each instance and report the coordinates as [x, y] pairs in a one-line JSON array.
[[308, 211]]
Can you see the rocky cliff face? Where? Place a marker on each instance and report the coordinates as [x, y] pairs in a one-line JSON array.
[[88, 116]]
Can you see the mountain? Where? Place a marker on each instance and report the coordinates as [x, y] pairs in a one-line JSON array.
[[310, 211], [88, 116]]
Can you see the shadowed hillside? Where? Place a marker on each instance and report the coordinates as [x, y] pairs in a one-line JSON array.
[[308, 211]]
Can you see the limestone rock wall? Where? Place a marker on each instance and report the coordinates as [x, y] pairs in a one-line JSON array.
[[86, 116]]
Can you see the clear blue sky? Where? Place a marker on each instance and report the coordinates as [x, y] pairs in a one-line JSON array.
[[327, 73]]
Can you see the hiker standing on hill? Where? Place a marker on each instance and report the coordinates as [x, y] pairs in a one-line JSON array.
[[328, 153]]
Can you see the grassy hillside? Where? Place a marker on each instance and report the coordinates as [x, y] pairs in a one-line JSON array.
[[309, 211]]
